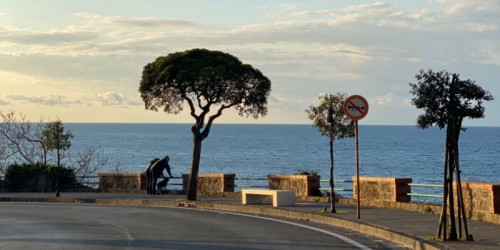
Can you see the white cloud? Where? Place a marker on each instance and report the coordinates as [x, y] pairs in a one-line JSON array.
[[385, 100], [373, 49], [50, 38], [135, 22], [4, 103], [453, 6], [49, 100], [116, 99]]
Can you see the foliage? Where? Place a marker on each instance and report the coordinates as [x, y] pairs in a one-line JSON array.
[[207, 82], [330, 120], [54, 137], [445, 98], [204, 79], [25, 142], [329, 117], [306, 172], [23, 177]]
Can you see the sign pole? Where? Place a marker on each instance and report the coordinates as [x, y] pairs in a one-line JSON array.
[[358, 200], [356, 108]]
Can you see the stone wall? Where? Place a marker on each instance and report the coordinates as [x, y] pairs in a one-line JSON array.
[[122, 182], [303, 185], [480, 199], [211, 184], [383, 189]]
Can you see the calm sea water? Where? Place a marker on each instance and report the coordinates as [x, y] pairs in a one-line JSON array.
[[255, 151]]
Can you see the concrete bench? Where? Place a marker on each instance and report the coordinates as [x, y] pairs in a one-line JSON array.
[[281, 198]]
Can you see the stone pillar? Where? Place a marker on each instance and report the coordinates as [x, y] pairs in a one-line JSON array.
[[211, 184], [120, 182], [383, 189], [303, 185], [480, 198]]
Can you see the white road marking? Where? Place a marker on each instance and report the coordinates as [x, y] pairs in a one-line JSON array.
[[338, 236]]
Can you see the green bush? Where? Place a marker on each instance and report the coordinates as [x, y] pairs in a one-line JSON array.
[[36, 178], [306, 172]]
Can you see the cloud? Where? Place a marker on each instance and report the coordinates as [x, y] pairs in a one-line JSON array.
[[453, 7], [49, 100], [152, 22], [385, 100], [51, 38], [116, 99], [135, 22], [372, 49], [4, 103]]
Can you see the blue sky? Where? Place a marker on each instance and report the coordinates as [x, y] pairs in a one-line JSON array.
[[81, 61]]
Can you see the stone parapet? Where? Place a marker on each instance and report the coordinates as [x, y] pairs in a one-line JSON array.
[[211, 184], [383, 189], [121, 182], [480, 199], [303, 185]]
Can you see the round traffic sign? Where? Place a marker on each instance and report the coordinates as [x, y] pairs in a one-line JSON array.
[[356, 107]]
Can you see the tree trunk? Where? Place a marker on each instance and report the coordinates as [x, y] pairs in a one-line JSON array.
[[58, 173], [444, 211], [461, 206], [332, 186], [58, 170], [195, 166], [451, 170]]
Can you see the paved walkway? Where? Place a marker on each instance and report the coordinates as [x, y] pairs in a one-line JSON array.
[[413, 224]]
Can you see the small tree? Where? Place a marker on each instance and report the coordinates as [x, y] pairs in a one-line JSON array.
[[207, 81], [54, 138], [21, 142], [447, 100], [331, 121]]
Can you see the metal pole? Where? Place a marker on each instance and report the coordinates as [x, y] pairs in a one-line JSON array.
[[356, 135]]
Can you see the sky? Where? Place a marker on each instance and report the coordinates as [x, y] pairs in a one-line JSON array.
[[81, 61]]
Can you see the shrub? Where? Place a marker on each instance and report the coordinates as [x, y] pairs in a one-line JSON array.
[[306, 172], [36, 177]]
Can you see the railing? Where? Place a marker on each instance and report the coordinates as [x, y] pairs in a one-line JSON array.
[[426, 186], [250, 182], [173, 182], [339, 189], [344, 187]]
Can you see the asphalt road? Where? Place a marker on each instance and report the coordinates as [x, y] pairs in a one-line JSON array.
[[73, 226]]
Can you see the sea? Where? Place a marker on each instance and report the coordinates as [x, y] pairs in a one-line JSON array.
[[254, 151]]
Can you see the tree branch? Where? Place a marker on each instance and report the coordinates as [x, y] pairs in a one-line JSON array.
[[206, 131]]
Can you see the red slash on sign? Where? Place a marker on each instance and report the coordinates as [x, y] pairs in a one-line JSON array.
[[355, 107]]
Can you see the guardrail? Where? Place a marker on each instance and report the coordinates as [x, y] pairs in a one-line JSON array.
[[342, 186], [250, 183], [420, 185], [339, 189]]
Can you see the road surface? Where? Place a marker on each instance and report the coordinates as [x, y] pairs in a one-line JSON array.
[[83, 226]]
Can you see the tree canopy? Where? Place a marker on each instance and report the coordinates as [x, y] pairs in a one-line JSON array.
[[208, 82], [444, 98], [54, 137], [329, 117], [204, 79]]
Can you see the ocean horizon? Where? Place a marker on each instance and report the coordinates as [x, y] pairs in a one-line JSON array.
[[255, 150]]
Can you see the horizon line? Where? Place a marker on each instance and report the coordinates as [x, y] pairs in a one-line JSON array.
[[259, 124]]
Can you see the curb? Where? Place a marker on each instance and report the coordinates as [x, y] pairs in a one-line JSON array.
[[407, 240]]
